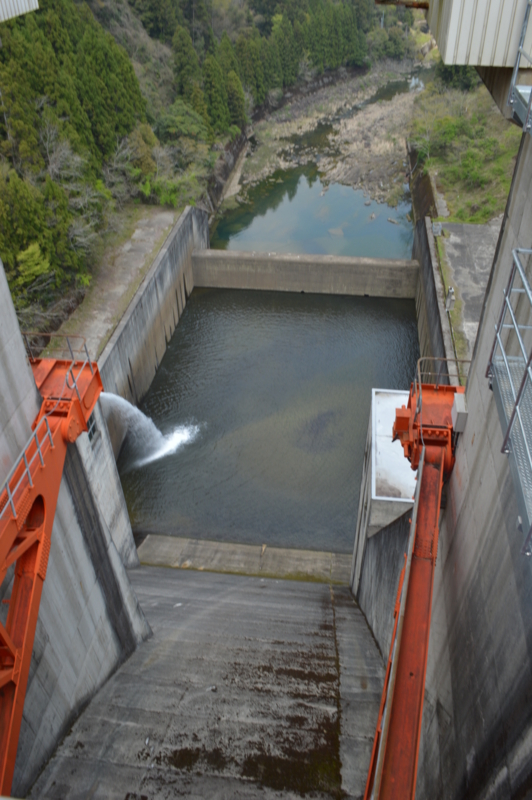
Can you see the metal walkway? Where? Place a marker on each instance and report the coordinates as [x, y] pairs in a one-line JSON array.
[[510, 373], [520, 95]]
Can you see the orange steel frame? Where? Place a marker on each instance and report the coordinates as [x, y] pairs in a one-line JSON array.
[[394, 760], [28, 502]]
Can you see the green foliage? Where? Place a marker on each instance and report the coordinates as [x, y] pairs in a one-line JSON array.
[[197, 19], [34, 234], [68, 94], [391, 43], [250, 67], [457, 77], [226, 55], [31, 264], [59, 65], [142, 141], [236, 100], [468, 147], [271, 64], [180, 120], [186, 63], [215, 95], [289, 54], [159, 17]]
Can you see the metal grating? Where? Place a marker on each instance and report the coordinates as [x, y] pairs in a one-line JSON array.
[[510, 374], [519, 444], [520, 96]]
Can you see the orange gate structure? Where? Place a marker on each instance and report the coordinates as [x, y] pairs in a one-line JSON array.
[[425, 430], [70, 389]]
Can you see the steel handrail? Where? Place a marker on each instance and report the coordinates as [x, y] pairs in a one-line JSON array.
[[34, 438], [374, 780], [418, 382], [520, 54]]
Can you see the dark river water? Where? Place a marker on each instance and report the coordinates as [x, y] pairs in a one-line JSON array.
[[279, 386]]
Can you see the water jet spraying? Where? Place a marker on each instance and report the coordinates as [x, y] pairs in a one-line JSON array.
[[136, 438]]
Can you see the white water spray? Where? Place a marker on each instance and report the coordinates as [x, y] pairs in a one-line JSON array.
[[140, 436]]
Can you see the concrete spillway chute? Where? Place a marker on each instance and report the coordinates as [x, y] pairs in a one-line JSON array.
[[70, 389]]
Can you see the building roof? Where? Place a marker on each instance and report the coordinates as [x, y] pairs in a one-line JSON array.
[[14, 8]]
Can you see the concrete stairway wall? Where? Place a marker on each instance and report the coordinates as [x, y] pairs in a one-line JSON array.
[[89, 619]]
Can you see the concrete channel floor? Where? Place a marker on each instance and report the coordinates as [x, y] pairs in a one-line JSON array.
[[470, 250], [249, 688]]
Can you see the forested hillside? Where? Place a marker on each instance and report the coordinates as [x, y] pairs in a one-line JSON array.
[[112, 102]]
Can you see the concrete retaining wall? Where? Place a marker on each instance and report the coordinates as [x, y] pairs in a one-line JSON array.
[[222, 269], [379, 578], [477, 722], [89, 619], [435, 339], [134, 352], [482, 603]]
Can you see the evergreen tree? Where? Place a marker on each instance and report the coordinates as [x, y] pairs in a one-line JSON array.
[[271, 64], [283, 34], [198, 104], [215, 95], [197, 18], [316, 39], [186, 64], [226, 55], [159, 17], [250, 67], [60, 62], [457, 77], [236, 100]]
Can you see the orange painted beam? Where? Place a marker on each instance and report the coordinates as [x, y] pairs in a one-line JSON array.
[[27, 510], [399, 770], [378, 735], [424, 425]]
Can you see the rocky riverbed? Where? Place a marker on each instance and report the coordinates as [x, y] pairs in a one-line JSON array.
[[354, 139]]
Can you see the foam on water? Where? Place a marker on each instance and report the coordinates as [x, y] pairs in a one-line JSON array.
[[171, 443], [143, 442]]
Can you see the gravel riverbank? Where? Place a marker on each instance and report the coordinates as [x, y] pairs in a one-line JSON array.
[[353, 140]]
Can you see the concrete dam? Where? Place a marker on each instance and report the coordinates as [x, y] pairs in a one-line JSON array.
[[180, 666]]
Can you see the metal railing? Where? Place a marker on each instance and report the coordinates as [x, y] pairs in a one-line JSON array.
[[509, 371], [33, 448], [520, 96], [71, 380], [383, 724], [34, 443], [437, 372]]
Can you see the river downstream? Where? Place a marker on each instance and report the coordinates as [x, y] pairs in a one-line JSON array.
[[277, 386], [327, 179], [294, 212]]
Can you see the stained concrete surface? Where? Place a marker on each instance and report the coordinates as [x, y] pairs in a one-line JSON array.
[[245, 559], [470, 250], [117, 277], [250, 687], [318, 274]]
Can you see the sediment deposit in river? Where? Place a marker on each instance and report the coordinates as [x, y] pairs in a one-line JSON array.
[[363, 135]]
